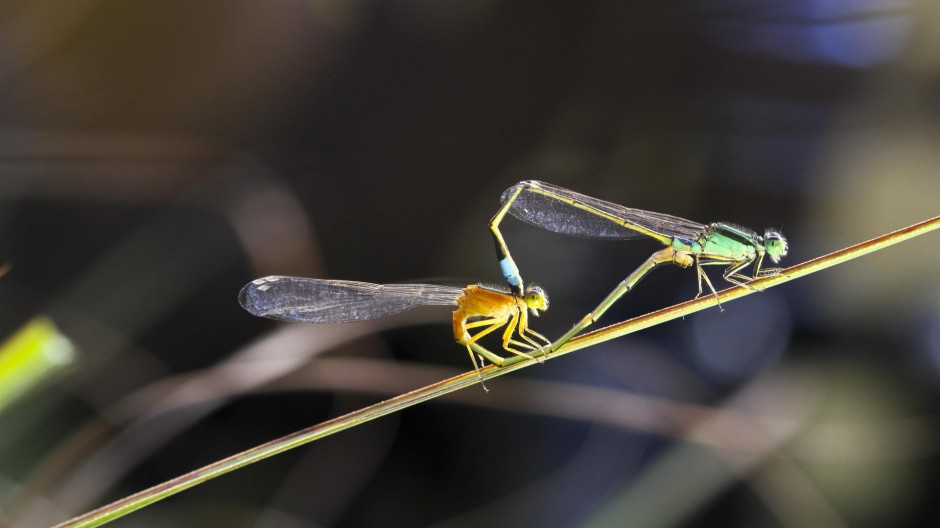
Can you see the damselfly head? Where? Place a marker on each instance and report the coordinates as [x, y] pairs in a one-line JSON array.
[[776, 245], [536, 299]]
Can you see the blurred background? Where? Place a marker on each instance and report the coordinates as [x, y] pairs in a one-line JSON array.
[[156, 156]]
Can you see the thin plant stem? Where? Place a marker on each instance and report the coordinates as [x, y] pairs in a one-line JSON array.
[[171, 487]]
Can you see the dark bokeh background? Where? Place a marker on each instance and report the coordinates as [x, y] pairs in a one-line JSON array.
[[156, 156]]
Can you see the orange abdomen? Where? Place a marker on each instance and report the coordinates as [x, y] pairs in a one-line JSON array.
[[481, 301]]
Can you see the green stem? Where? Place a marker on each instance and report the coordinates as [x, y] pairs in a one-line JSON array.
[[143, 498]]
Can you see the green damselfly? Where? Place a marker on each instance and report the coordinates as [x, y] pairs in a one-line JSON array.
[[687, 243]]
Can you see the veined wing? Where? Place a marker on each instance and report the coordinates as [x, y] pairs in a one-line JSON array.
[[337, 301], [564, 211]]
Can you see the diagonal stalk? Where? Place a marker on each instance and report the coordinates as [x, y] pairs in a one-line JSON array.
[[143, 498]]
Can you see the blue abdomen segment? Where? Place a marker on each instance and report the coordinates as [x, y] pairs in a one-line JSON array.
[[510, 271]]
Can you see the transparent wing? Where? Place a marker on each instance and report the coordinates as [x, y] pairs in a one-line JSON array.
[[552, 207], [337, 301]]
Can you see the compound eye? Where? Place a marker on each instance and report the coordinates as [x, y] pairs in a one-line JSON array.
[[536, 299], [776, 245]]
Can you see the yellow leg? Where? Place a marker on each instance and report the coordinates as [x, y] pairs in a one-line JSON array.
[[507, 337], [489, 321], [733, 275], [491, 324], [768, 272], [494, 324], [760, 272], [526, 346], [510, 327], [529, 331], [523, 330], [734, 272], [703, 276]]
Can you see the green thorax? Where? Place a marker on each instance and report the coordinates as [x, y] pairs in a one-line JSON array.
[[723, 242]]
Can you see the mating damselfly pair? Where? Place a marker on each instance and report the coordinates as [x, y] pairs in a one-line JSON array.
[[549, 207]]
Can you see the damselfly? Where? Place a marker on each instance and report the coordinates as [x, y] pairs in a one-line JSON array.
[[338, 301], [687, 243]]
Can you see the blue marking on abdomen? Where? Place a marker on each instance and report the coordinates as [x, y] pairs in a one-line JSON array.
[[510, 271]]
